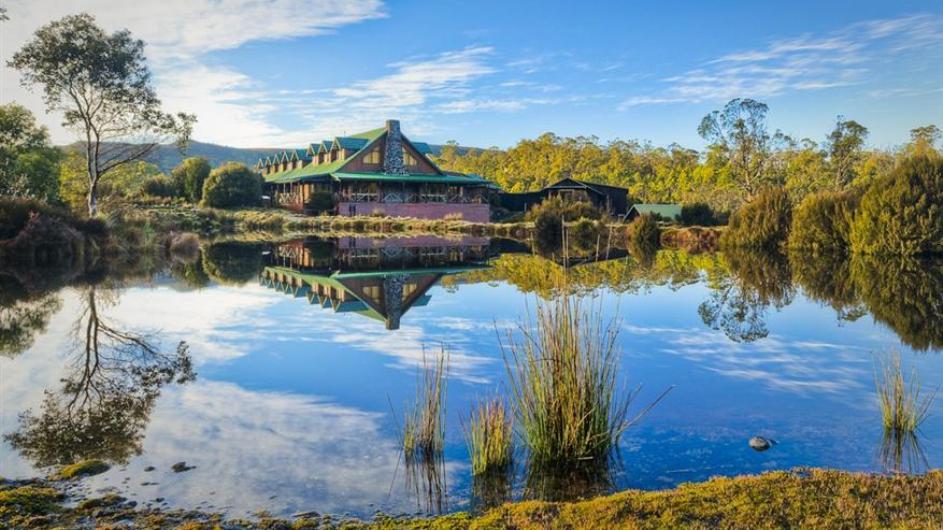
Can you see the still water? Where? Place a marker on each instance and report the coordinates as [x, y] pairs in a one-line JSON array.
[[280, 371]]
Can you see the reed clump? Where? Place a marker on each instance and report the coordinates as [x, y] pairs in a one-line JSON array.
[[563, 372], [904, 405], [424, 424], [489, 435]]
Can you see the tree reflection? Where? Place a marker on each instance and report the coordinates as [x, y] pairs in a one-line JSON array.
[[827, 278], [233, 262], [106, 399], [22, 317], [906, 294], [738, 302]]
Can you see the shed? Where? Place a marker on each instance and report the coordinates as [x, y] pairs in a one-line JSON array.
[[670, 212]]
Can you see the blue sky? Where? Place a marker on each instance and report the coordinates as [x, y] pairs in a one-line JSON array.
[[285, 72]]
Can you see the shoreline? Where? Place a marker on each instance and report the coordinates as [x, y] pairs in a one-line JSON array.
[[802, 498]]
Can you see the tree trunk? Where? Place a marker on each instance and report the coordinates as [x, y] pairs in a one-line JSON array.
[[93, 198]]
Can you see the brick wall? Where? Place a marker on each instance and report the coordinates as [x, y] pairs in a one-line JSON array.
[[472, 212]]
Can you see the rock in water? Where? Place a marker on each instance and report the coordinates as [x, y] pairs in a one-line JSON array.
[[180, 467], [758, 443]]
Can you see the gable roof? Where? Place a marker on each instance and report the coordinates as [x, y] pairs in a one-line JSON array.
[[356, 144], [668, 211]]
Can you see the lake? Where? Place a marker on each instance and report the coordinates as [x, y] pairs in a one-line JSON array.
[[279, 372]]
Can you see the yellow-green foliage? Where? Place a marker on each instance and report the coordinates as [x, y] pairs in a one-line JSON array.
[[83, 468], [763, 222], [817, 499], [490, 438], [643, 234], [822, 222], [550, 216], [901, 213], [586, 237], [28, 500]]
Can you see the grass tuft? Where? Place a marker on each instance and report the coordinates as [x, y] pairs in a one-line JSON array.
[[563, 372], [490, 438], [903, 404], [424, 424], [84, 468]]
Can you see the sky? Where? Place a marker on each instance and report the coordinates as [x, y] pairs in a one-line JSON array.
[[280, 73]]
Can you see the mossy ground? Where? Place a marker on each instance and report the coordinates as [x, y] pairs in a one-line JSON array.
[[800, 499], [83, 468]]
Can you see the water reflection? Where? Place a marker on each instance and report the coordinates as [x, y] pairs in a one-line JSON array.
[[106, 398], [380, 279], [338, 450]]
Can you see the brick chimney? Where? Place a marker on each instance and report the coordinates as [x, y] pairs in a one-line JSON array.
[[393, 155]]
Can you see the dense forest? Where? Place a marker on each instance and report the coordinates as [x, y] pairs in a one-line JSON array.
[[742, 157]]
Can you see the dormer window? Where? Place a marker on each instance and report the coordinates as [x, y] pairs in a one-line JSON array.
[[373, 157], [408, 159]]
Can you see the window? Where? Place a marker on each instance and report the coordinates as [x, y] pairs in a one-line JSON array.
[[373, 157], [408, 158]]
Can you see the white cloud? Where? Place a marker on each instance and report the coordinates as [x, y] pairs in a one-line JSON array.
[[178, 34], [851, 56]]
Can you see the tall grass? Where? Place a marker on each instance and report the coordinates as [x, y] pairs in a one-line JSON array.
[[904, 405], [424, 424], [563, 372], [490, 438]]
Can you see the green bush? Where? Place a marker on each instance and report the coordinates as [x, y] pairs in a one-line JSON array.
[[159, 186], [644, 234], [548, 218], [586, 236], [763, 222], [901, 213], [190, 176], [232, 185], [822, 222], [320, 202], [701, 214]]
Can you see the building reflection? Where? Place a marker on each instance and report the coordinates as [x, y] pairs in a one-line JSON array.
[[378, 278]]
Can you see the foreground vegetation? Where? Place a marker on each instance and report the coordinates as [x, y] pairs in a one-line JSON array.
[[812, 498]]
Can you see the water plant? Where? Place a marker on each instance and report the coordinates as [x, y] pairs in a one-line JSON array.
[[424, 423], [490, 438], [563, 373], [904, 405]]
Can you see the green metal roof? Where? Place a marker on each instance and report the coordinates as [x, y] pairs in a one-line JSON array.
[[668, 211], [422, 147], [413, 177], [350, 143]]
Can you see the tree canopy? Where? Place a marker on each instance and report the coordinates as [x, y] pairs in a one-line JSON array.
[[27, 160], [101, 84]]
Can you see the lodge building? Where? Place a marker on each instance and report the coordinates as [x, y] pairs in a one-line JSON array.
[[376, 172]]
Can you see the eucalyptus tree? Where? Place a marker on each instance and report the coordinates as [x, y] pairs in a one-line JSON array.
[[101, 84], [844, 146], [27, 160], [739, 132]]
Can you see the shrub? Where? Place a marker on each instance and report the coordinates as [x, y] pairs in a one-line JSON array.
[[15, 214], [189, 177], [585, 236], [232, 185], [901, 212], [548, 218], [822, 222], [700, 214], [644, 234], [320, 202], [763, 222], [159, 186]]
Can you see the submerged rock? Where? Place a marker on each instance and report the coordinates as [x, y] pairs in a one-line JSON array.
[[758, 443], [180, 467]]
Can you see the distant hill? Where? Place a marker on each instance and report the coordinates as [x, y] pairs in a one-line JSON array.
[[167, 156]]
